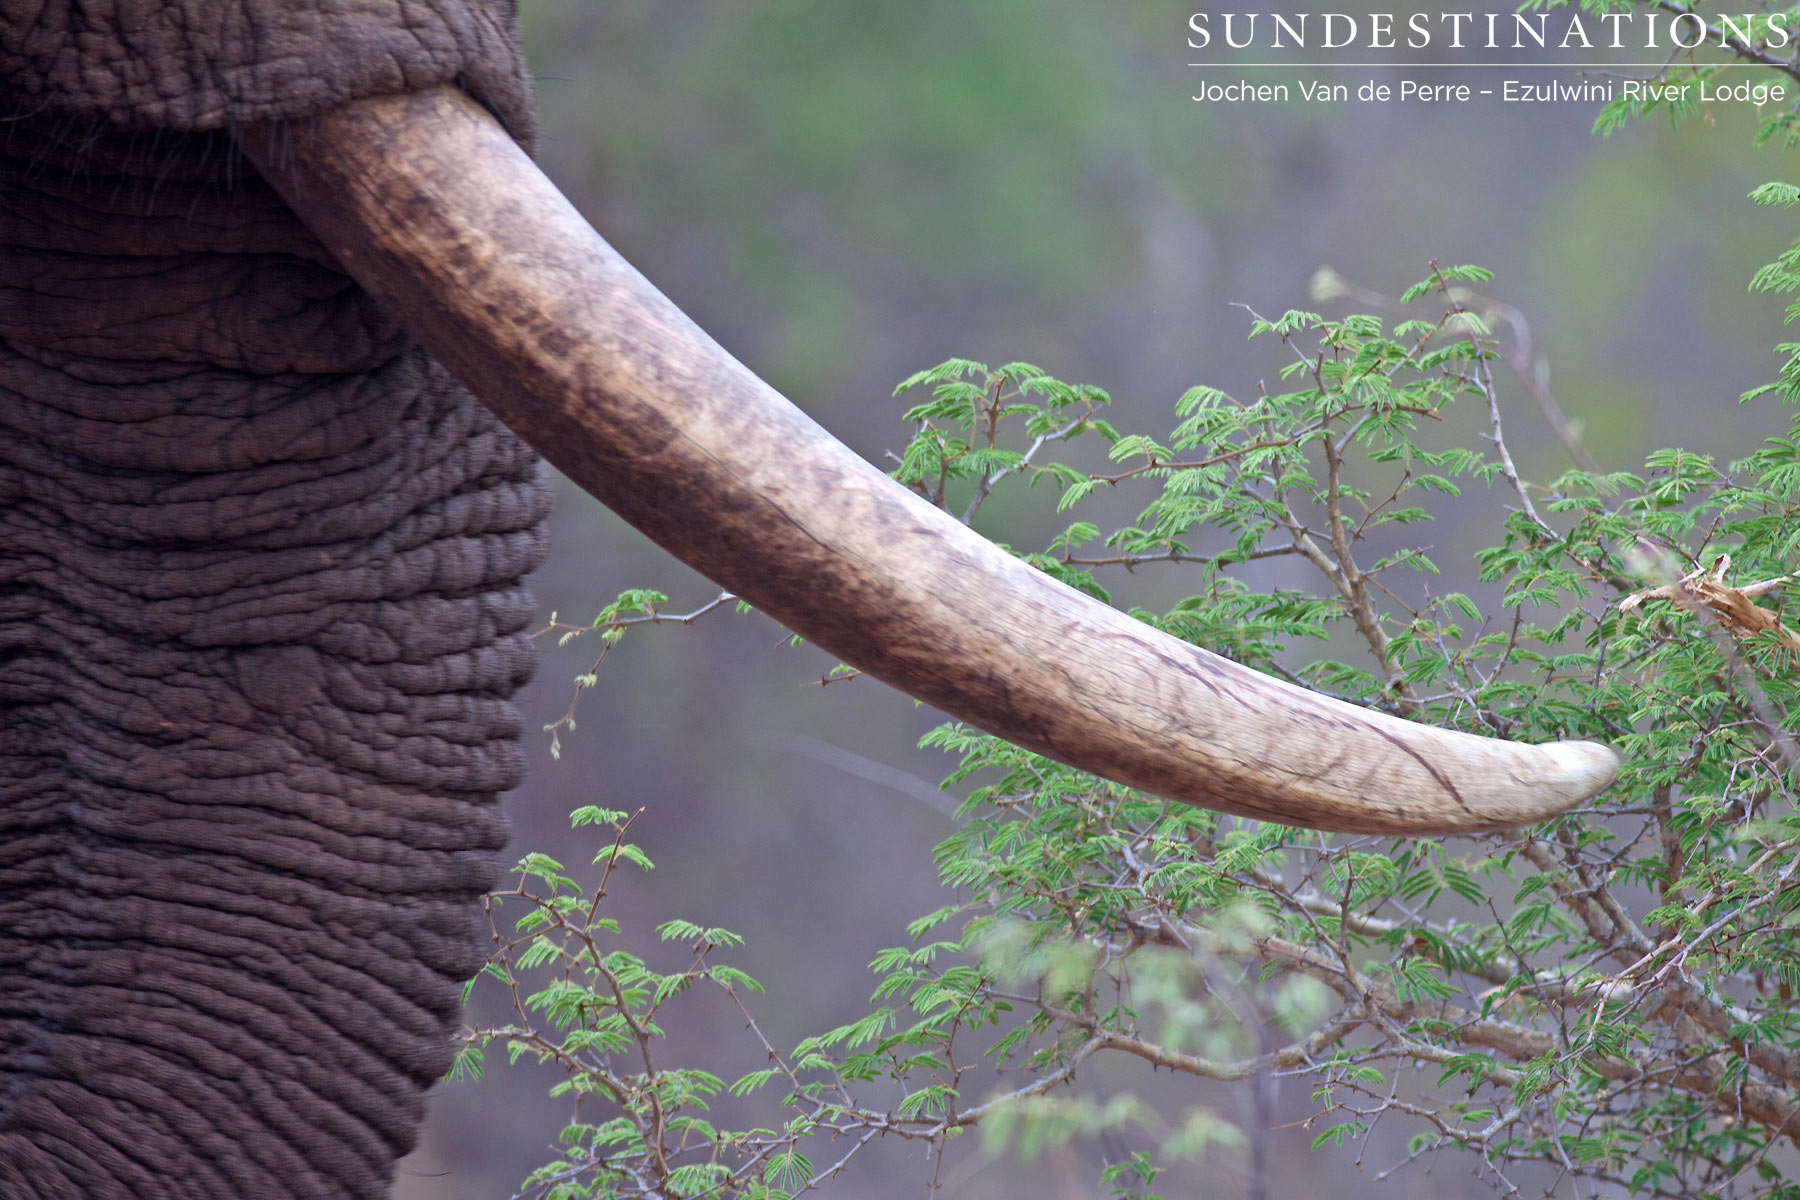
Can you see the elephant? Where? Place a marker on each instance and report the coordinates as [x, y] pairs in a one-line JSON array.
[[261, 600]]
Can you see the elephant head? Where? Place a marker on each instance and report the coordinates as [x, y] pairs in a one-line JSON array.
[[260, 599]]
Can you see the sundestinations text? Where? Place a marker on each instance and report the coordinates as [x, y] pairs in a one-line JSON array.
[[1489, 31]]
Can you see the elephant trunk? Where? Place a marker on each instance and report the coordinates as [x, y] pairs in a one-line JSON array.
[[430, 205]]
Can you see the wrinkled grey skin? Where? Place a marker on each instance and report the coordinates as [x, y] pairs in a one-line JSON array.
[[261, 615]]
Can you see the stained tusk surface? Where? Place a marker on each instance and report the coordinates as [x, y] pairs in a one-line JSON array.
[[429, 204]]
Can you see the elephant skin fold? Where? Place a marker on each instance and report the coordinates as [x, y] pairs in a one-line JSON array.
[[261, 613]]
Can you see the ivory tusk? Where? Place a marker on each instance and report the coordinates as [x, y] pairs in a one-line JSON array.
[[429, 204]]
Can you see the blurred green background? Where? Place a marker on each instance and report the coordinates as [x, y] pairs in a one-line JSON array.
[[843, 192]]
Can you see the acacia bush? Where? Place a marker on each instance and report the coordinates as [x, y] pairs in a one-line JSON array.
[[1606, 998]]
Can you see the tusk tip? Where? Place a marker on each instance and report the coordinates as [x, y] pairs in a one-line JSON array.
[[1579, 769]]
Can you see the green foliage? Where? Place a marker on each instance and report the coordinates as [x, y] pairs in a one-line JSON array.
[[1608, 995], [1733, 37], [588, 1005]]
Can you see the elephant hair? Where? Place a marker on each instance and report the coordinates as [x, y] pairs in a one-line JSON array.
[[262, 613]]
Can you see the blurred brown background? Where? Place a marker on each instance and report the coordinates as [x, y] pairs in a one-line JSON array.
[[844, 193]]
